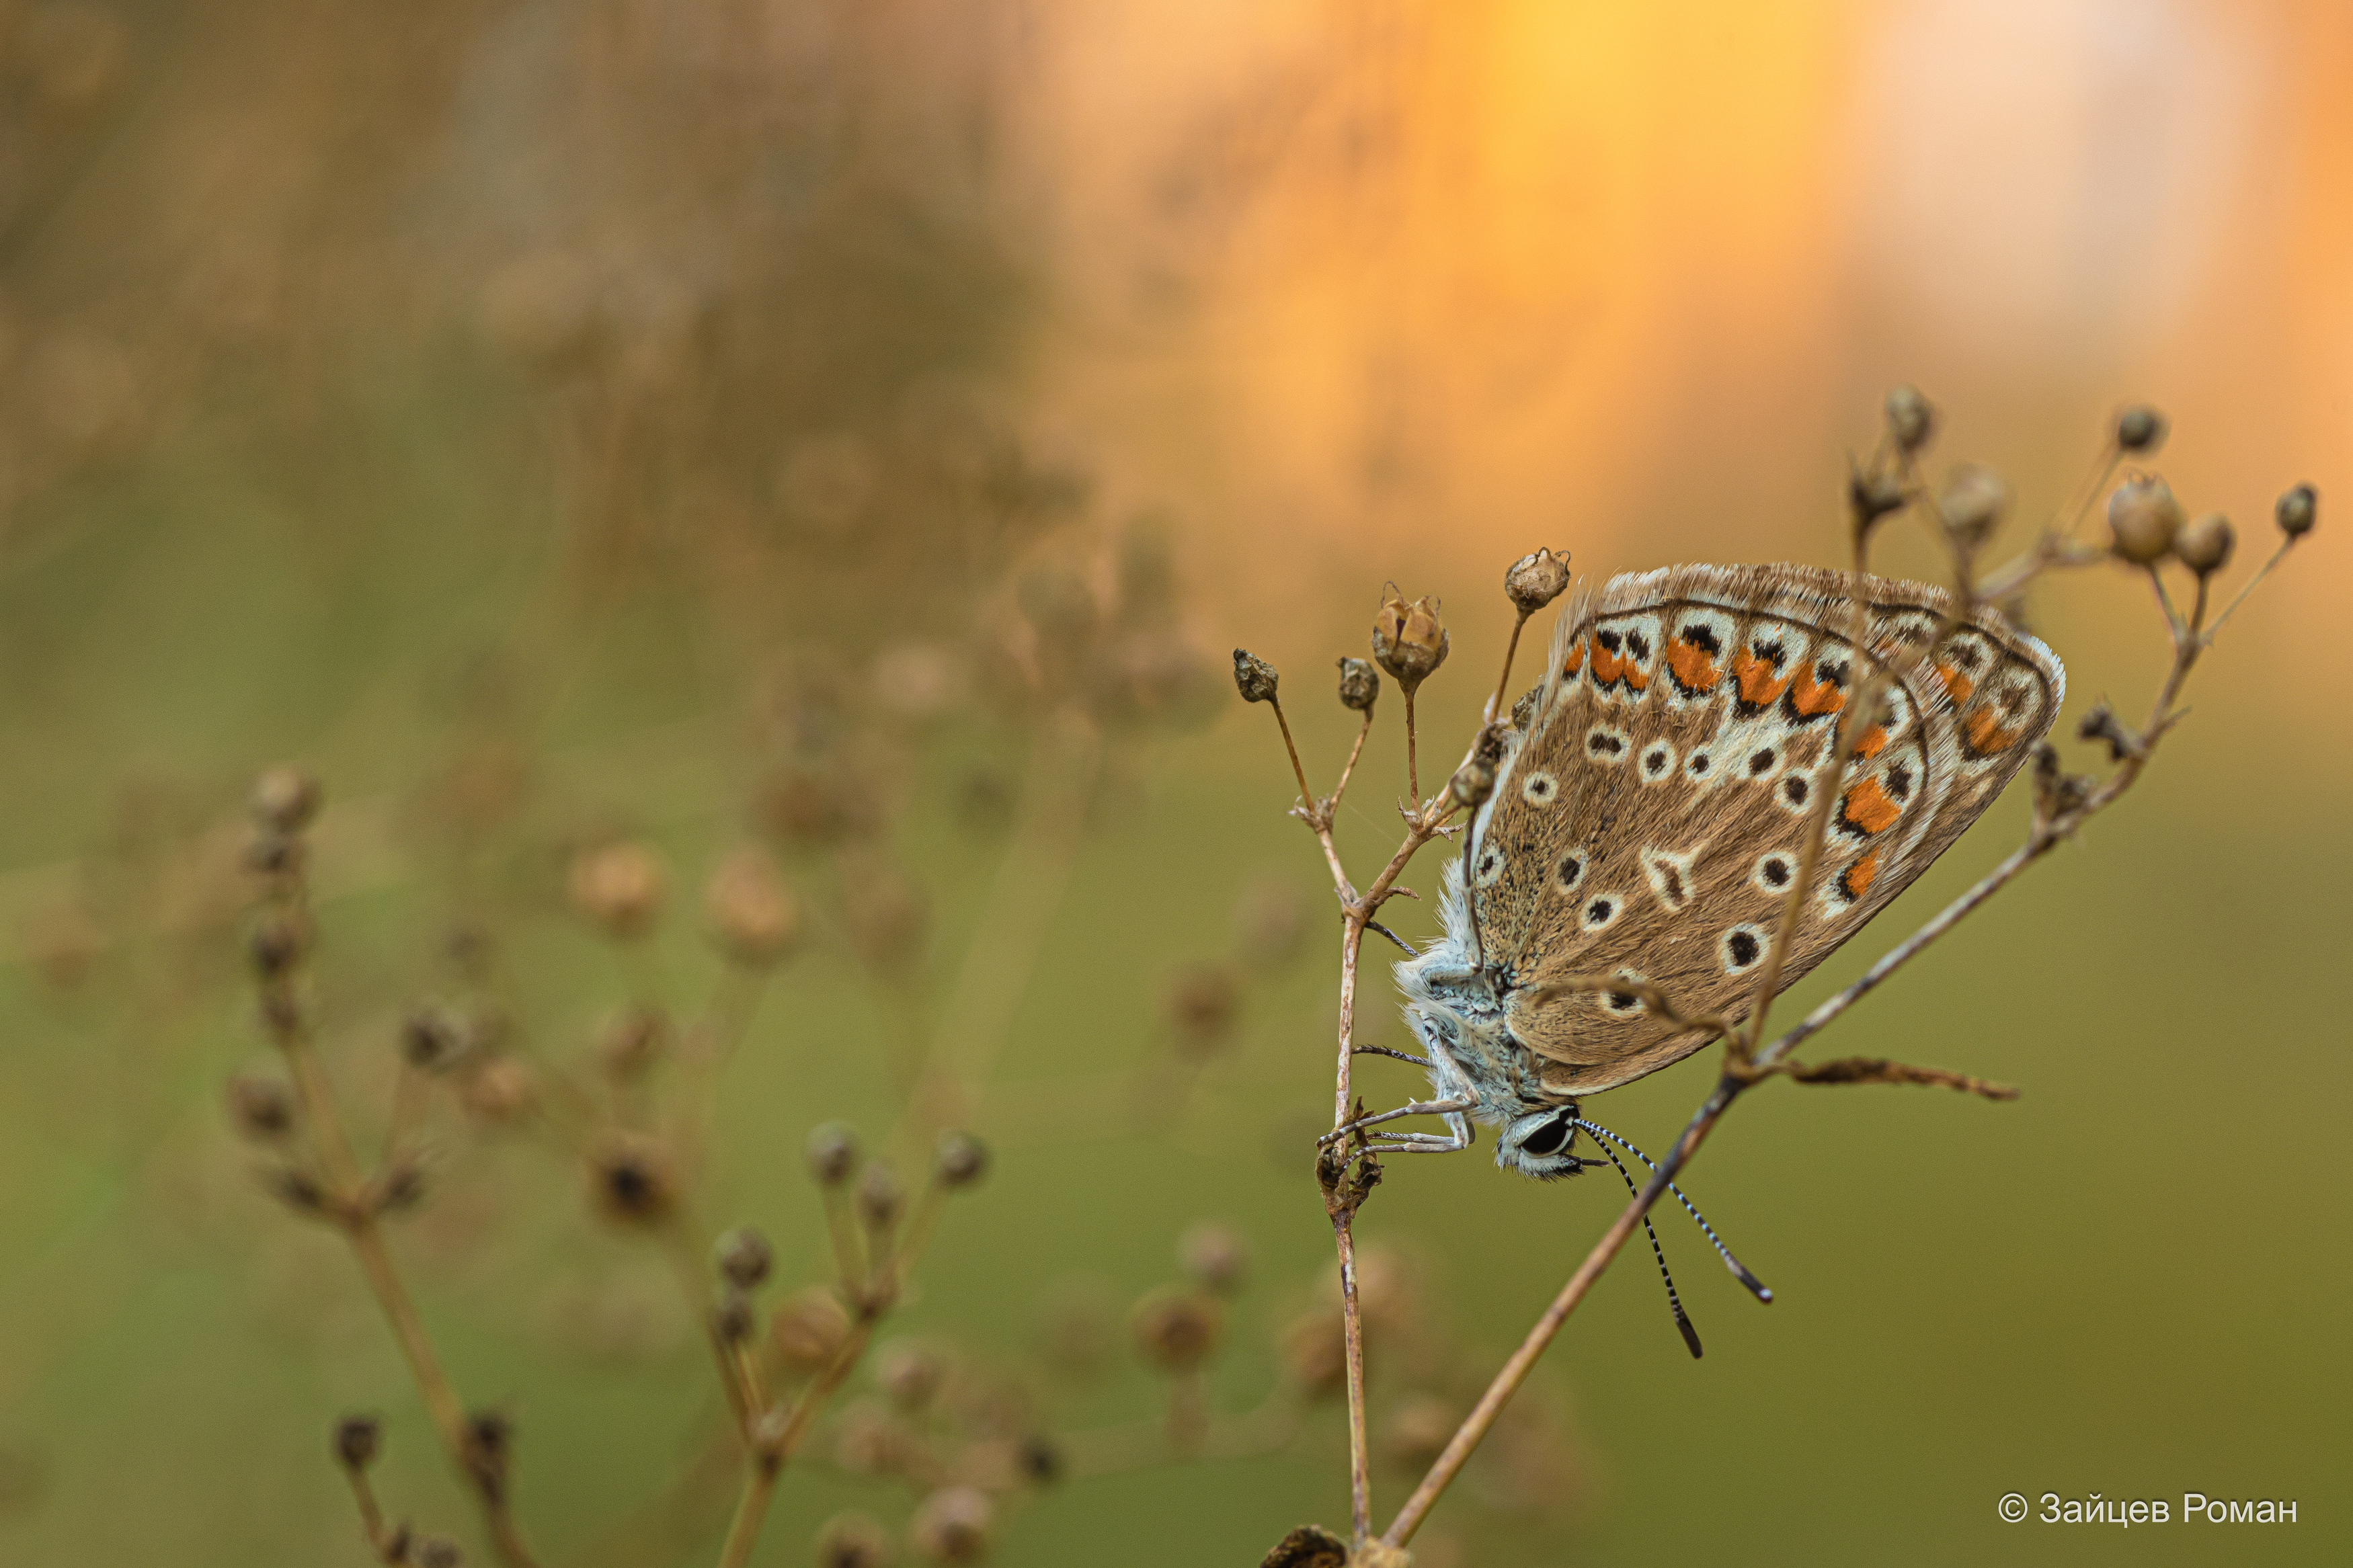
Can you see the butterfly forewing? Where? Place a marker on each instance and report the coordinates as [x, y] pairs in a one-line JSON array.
[[1647, 821]]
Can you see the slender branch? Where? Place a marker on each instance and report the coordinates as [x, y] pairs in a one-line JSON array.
[[1332, 804], [1504, 681]]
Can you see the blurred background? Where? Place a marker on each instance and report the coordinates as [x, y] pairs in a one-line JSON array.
[[849, 436]]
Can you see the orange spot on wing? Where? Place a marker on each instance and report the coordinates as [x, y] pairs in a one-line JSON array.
[[1985, 734], [1815, 698], [1693, 667], [1606, 666], [1867, 806], [1857, 878], [1873, 742], [1757, 684], [1576, 656], [1958, 685]]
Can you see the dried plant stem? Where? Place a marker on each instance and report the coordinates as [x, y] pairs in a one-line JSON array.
[[1412, 767], [1504, 681], [1355, 751]]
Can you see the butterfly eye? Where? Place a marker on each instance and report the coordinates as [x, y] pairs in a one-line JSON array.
[[1548, 1136]]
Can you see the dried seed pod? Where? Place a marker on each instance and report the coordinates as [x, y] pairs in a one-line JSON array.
[[732, 1319], [1038, 1460], [1911, 418], [619, 886], [832, 1154], [1872, 496], [284, 798], [1176, 1327], [753, 915], [358, 1439], [808, 1330], [277, 942], [1971, 505], [490, 1449], [433, 1036], [2140, 428], [632, 1040], [631, 1181], [1204, 1007], [2298, 510], [2101, 724], [1254, 677], [2143, 518], [1408, 640], [1214, 1257], [502, 1090], [959, 1159], [435, 1552], [2206, 544], [1314, 1351], [1472, 782], [953, 1525], [1360, 685], [909, 1375], [743, 1257], [880, 1196], [260, 1109], [852, 1541], [1535, 581]]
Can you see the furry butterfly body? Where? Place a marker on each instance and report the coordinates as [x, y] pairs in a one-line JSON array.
[[1648, 815]]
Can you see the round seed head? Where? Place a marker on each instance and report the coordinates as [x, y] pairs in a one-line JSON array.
[[1408, 639], [632, 1039], [2140, 428], [953, 1525], [277, 944], [284, 798], [2143, 518], [432, 1037], [1535, 581], [880, 1196], [1472, 782], [1214, 1257], [808, 1330], [1911, 418], [852, 1541], [960, 1160], [631, 1181], [753, 914], [909, 1375], [260, 1109], [1360, 685], [2297, 511], [743, 1257], [619, 886], [1176, 1327], [357, 1441], [435, 1552], [2206, 544], [733, 1318], [501, 1090], [1972, 504], [832, 1154], [1254, 677], [1314, 1351]]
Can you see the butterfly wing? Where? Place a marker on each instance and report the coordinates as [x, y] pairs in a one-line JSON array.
[[1647, 820]]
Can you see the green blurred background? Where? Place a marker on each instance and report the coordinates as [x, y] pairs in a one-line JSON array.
[[772, 422]]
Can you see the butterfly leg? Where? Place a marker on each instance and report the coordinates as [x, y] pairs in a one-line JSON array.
[[1419, 1107]]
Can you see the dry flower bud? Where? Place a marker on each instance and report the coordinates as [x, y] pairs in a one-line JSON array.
[[1408, 640], [888, 917], [619, 886], [488, 1449], [284, 798], [357, 1439], [743, 1257], [910, 1374], [1038, 1462], [852, 1541], [1176, 1327], [1203, 1005], [753, 913], [1911, 418], [435, 1552], [260, 1109], [832, 1154], [400, 1189], [2140, 428], [630, 1180], [632, 1040], [953, 1525], [2206, 544], [1872, 496], [2297, 511], [880, 1198], [1254, 677], [1214, 1257], [959, 1159], [2143, 518], [298, 1190], [1313, 1349], [808, 1330], [277, 944], [1971, 505], [432, 1037], [1535, 581], [273, 853], [1472, 782], [2101, 724], [1360, 685], [733, 1318], [501, 1090]]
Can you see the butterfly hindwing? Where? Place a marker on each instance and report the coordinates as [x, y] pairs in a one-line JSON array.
[[1648, 819]]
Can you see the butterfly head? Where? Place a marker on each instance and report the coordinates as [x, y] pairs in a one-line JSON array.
[[1474, 1056], [1541, 1143]]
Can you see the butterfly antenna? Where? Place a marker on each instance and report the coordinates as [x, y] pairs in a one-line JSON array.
[[1740, 1270], [1675, 1302]]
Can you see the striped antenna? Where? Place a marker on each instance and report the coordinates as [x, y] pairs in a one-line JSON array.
[[1675, 1302], [1739, 1271]]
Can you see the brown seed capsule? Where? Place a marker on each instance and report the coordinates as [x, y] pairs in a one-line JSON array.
[[1971, 506], [732, 1319], [1254, 677], [357, 1440], [2297, 511], [298, 1190], [1535, 581], [1911, 418], [435, 1552], [832, 1152], [1472, 782], [277, 944], [2101, 724], [953, 1525], [2140, 428], [488, 1449], [1214, 1257], [880, 1198], [959, 1159], [260, 1109], [808, 1330], [401, 1187], [631, 1181], [632, 1041], [1872, 496], [501, 1090], [1204, 1007], [1176, 1327], [432, 1037], [1360, 685], [1314, 1352], [2143, 518], [1408, 640], [2206, 544], [753, 914], [284, 798], [909, 1375], [619, 886], [852, 1541], [743, 1257], [888, 917]]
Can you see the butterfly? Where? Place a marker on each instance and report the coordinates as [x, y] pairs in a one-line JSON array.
[[1647, 817]]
